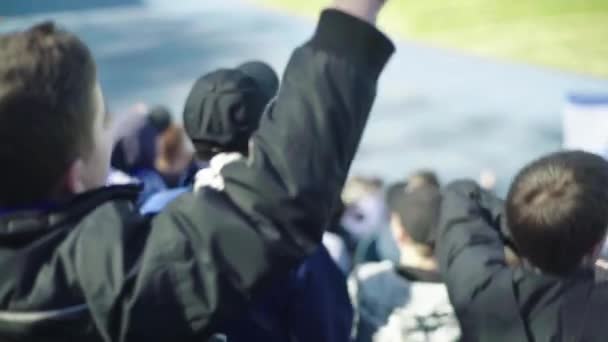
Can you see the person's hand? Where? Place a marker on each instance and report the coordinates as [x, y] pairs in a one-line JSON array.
[[490, 206], [487, 179], [363, 9]]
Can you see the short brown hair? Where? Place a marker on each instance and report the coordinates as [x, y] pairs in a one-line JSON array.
[[422, 178], [171, 142], [47, 77], [557, 209]]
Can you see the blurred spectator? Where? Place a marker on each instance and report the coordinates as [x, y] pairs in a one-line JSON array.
[[422, 178], [382, 245], [136, 151], [365, 212], [149, 150], [173, 155], [160, 117], [136, 136], [406, 301], [557, 215], [358, 187]]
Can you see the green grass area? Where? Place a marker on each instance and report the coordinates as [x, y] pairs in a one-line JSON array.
[[565, 34]]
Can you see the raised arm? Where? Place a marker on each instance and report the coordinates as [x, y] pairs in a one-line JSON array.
[[209, 251], [469, 247]]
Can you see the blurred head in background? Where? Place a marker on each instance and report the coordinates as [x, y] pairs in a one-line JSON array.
[[54, 133], [137, 135], [414, 208], [174, 156], [365, 212], [160, 118], [422, 178]]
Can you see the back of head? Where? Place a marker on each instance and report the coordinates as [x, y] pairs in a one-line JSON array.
[[359, 187], [365, 209], [417, 209], [47, 108], [137, 147], [171, 145], [557, 210], [160, 118], [422, 178], [224, 108]]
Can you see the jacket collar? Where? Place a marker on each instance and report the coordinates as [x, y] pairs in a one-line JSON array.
[[525, 270], [19, 226], [416, 274]]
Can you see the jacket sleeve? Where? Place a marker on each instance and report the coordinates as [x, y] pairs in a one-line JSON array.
[[207, 252], [469, 247]]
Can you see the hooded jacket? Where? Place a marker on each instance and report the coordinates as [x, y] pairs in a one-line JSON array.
[[496, 302]]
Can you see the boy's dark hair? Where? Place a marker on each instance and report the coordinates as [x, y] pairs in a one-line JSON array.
[[418, 210], [557, 209], [47, 77]]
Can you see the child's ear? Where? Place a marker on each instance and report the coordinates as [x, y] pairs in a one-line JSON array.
[[73, 179]]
